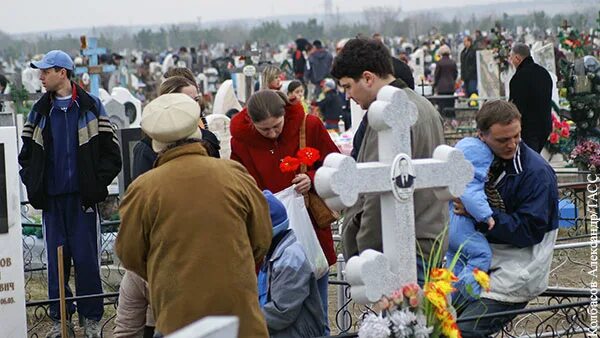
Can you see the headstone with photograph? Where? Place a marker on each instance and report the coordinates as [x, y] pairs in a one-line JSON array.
[[13, 322]]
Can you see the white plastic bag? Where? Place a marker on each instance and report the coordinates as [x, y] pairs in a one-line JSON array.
[[303, 228]]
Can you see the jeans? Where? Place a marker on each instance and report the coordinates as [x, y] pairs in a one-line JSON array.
[[470, 87], [484, 327], [322, 285]]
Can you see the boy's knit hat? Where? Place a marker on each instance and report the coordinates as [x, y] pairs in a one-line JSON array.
[[279, 216]]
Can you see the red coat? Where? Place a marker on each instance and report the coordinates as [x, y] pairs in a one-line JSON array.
[[261, 156]]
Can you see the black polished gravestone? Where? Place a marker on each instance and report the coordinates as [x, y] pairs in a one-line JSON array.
[[128, 138], [3, 193]]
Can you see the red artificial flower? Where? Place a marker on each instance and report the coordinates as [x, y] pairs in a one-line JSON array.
[[556, 123], [564, 132], [308, 155], [289, 164], [554, 138], [565, 124]]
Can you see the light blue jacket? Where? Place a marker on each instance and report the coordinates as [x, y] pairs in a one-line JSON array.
[[293, 306], [475, 252]]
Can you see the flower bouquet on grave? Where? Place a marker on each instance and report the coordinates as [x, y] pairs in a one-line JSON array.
[[586, 155], [415, 312], [559, 137], [412, 312]]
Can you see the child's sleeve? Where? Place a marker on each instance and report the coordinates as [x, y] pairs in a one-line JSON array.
[[475, 200], [290, 286]]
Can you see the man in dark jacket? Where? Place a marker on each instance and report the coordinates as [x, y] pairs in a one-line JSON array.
[[401, 69], [468, 66], [70, 155], [331, 105], [319, 66], [298, 60], [522, 190], [531, 92]]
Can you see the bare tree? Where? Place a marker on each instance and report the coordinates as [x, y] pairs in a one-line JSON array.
[[382, 19]]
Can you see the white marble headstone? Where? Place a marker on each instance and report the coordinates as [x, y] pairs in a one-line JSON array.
[[13, 322], [488, 83], [133, 106], [340, 182], [168, 63], [417, 64], [544, 56], [219, 125], [210, 327], [239, 85], [31, 80], [116, 114], [357, 114], [225, 99]]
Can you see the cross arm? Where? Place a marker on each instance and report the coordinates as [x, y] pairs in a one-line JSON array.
[[340, 180], [447, 173], [94, 51], [95, 69]]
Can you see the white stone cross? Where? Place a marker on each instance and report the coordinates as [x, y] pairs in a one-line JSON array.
[[341, 180]]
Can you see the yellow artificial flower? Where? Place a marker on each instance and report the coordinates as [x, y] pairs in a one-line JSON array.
[[443, 286], [451, 331], [435, 297], [442, 274], [444, 316], [473, 102], [482, 278]]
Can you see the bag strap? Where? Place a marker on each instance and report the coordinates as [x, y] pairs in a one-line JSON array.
[[303, 142]]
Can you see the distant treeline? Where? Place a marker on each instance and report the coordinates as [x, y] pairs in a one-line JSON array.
[[377, 19]]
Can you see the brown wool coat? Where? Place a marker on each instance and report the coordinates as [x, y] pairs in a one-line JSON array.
[[194, 227]]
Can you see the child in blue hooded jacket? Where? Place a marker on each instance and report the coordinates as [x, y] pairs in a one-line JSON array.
[[287, 287], [476, 252]]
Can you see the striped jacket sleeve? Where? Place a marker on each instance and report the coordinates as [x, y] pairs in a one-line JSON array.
[[110, 152]]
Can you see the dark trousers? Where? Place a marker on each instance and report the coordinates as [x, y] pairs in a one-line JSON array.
[[484, 327], [535, 142], [470, 87], [446, 103], [66, 223]]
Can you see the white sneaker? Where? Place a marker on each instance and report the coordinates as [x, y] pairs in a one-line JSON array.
[[91, 328], [56, 332]]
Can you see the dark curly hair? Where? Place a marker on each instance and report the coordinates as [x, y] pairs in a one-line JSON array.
[[359, 55]]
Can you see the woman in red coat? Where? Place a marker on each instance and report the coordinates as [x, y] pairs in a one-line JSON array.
[[266, 131]]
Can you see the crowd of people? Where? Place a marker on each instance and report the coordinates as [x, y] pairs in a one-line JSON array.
[[231, 251]]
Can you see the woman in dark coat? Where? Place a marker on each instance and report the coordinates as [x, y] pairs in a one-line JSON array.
[[444, 79]]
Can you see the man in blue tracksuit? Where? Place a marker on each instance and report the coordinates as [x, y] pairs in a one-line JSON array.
[[523, 193], [70, 155]]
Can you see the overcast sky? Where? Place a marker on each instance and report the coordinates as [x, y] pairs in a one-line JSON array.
[[18, 16]]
